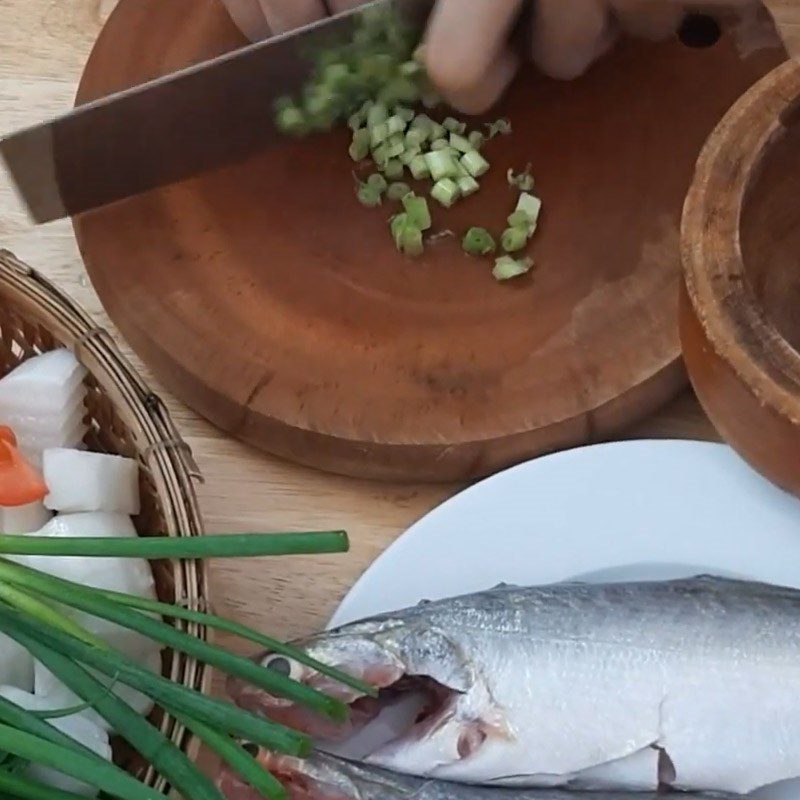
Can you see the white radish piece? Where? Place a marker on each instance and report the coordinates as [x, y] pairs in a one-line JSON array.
[[23, 519], [16, 664], [129, 575], [42, 384], [78, 727], [81, 481]]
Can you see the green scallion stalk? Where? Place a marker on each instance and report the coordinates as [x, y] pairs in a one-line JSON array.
[[479, 242], [236, 757], [159, 751], [18, 787], [245, 545], [44, 612], [104, 775], [222, 715], [158, 631]]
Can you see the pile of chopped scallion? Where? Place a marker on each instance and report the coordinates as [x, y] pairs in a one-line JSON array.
[[374, 82], [33, 612]]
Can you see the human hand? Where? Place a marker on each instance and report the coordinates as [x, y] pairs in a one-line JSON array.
[[466, 50]]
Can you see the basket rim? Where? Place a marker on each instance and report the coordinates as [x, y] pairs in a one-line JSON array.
[[166, 456]]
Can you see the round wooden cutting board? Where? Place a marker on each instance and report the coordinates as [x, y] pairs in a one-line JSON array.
[[269, 300]]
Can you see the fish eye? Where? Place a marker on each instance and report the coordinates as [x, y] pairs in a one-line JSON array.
[[284, 666]]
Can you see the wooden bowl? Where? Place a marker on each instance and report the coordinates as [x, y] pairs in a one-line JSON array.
[[125, 418], [269, 301], [740, 308]]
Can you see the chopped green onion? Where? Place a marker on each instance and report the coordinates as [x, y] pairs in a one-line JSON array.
[[355, 123], [440, 144], [506, 267], [395, 149], [524, 181], [380, 155], [418, 212], [500, 128], [360, 147], [468, 186], [441, 165], [437, 131], [419, 168], [377, 115], [411, 241], [377, 182], [399, 90], [397, 191], [454, 126], [475, 164], [477, 140], [416, 137], [397, 224], [460, 143], [514, 239], [379, 133], [396, 124], [394, 169], [410, 69], [519, 219], [369, 196], [478, 242], [531, 206], [336, 76], [405, 113], [409, 154], [292, 121], [446, 192]]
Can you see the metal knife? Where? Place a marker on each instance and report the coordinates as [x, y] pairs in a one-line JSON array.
[[209, 115]]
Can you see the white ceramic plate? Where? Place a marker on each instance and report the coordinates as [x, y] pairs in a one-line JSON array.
[[626, 510]]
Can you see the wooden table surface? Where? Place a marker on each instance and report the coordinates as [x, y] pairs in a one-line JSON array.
[[45, 44]]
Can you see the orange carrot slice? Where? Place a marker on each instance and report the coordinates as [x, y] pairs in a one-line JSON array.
[[20, 483]]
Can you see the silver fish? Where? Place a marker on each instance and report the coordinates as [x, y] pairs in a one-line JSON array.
[[691, 684], [323, 777]]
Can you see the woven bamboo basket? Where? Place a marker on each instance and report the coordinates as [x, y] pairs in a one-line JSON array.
[[123, 417]]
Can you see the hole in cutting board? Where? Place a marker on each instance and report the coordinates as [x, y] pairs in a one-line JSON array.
[[699, 31]]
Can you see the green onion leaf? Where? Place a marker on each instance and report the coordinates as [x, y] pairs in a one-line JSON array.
[[243, 545]]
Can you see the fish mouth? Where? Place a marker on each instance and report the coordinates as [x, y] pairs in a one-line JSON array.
[[423, 701]]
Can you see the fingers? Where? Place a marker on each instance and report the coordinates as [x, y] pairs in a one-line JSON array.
[[570, 35], [248, 16], [480, 97], [649, 19], [464, 39], [286, 15]]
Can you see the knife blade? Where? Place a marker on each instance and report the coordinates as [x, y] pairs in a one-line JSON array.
[[200, 118]]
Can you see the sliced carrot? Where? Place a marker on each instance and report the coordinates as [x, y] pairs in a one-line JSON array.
[[20, 483]]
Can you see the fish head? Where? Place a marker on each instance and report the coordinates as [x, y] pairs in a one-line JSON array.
[[395, 656], [361, 651]]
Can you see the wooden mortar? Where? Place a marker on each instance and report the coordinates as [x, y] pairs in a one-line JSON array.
[[740, 305]]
